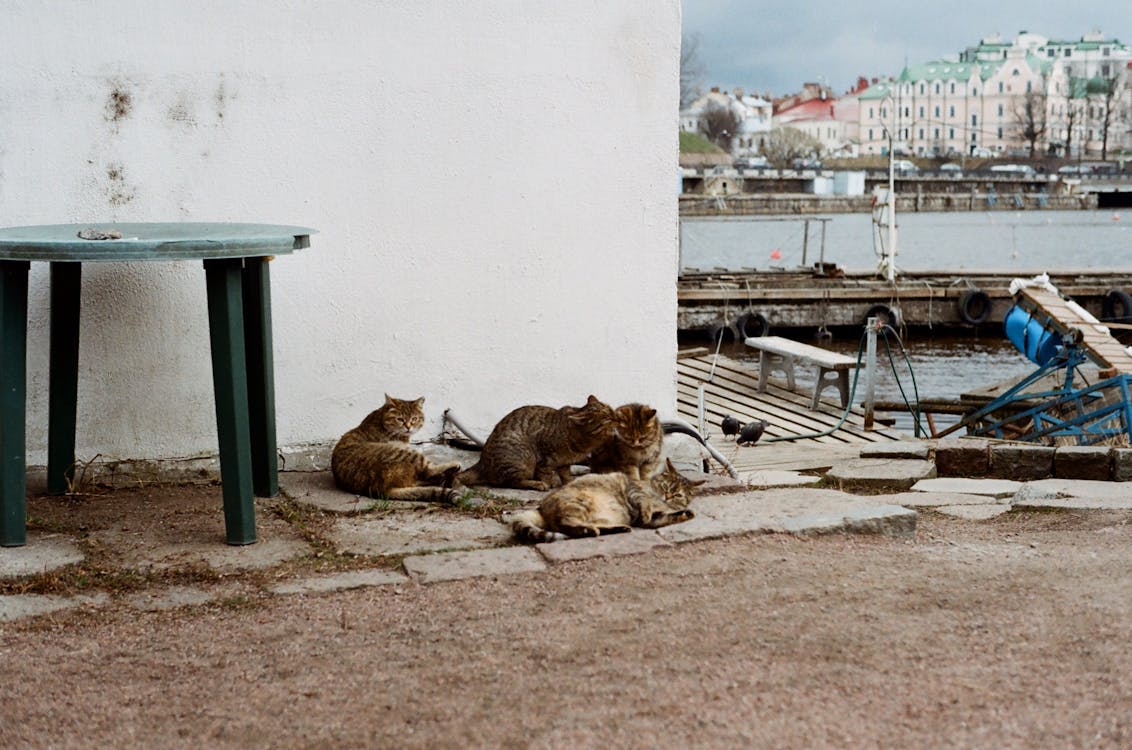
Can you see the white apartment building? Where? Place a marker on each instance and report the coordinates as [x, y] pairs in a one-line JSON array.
[[974, 104]]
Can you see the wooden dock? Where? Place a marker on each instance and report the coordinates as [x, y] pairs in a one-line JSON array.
[[741, 302], [731, 387]]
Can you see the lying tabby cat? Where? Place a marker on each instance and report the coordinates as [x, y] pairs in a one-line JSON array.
[[533, 447], [597, 504], [376, 460], [634, 449]]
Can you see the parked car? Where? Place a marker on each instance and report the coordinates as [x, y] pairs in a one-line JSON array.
[[983, 153], [807, 163], [1024, 170], [904, 166], [951, 170], [752, 162], [1075, 169]]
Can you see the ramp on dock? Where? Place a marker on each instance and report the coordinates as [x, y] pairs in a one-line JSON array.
[[732, 388], [1072, 322]]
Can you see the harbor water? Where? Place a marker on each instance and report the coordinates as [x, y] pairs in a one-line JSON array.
[[1029, 241], [941, 366]]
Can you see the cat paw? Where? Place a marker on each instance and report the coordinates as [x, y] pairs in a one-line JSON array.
[[449, 472], [683, 515]]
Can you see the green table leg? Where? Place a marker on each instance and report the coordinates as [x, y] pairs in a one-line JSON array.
[[261, 376], [13, 402], [66, 293], [230, 382]]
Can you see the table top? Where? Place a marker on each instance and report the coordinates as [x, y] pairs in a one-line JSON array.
[[150, 241]]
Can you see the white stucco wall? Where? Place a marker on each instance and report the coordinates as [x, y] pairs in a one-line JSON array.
[[491, 182]]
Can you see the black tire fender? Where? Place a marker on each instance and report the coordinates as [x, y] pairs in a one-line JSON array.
[[1113, 299], [886, 314], [752, 325], [975, 306]]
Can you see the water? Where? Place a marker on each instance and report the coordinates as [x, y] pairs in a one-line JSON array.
[[942, 367], [1026, 241]]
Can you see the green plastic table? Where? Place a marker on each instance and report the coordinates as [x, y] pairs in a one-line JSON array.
[[239, 320]]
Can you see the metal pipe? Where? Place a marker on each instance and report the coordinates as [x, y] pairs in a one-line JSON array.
[[452, 420], [690, 430], [870, 370]]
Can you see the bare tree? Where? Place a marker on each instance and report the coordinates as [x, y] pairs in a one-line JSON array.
[[720, 124], [1030, 117], [691, 69], [783, 145], [1110, 101], [1073, 116]]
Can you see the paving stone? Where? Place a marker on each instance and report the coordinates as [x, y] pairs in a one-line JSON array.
[[611, 545], [1021, 462], [779, 478], [43, 552], [962, 457], [974, 512], [921, 499], [1122, 464], [351, 579], [880, 472], [450, 566], [1083, 462], [917, 449], [1003, 488], [317, 488], [19, 606], [1074, 493], [415, 532]]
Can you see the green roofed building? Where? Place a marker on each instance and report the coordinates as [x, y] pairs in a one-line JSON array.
[[1031, 95]]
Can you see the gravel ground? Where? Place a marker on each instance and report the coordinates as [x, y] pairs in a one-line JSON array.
[[1012, 632]]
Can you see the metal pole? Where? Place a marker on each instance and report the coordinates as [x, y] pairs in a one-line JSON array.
[[805, 238], [870, 369], [890, 246]]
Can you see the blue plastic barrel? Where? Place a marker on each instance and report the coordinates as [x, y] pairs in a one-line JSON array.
[[1030, 336]]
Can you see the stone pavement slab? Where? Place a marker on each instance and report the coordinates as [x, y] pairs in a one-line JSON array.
[[43, 552], [915, 449], [888, 520], [451, 566], [1074, 493], [413, 533], [268, 552], [880, 472], [779, 478], [351, 579], [611, 545], [998, 488], [974, 512], [18, 606], [794, 510], [936, 499]]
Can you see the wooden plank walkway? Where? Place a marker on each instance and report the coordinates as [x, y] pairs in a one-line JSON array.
[[733, 389]]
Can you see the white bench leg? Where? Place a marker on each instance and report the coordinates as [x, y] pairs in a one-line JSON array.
[[840, 381]]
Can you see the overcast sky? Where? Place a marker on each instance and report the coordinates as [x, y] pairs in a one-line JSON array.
[[776, 45]]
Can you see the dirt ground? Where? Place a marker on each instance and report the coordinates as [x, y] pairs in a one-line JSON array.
[[1012, 632]]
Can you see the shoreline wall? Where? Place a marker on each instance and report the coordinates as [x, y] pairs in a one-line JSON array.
[[802, 203]]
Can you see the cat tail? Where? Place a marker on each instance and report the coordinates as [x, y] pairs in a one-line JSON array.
[[470, 476], [529, 526]]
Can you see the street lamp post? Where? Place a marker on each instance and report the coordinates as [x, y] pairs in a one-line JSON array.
[[888, 261]]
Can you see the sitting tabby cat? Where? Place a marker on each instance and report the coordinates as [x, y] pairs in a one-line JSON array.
[[533, 447], [376, 460], [634, 449], [597, 504]]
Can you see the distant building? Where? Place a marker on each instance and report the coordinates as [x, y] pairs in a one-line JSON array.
[[753, 114], [996, 97]]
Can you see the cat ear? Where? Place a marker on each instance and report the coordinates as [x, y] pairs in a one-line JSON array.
[[648, 413], [592, 400], [388, 399], [419, 401]]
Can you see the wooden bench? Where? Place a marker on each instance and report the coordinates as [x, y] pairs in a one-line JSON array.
[[777, 353]]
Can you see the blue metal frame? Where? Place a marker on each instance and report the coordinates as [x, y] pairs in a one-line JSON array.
[[1093, 423]]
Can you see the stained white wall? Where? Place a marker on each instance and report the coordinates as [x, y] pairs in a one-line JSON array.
[[492, 183]]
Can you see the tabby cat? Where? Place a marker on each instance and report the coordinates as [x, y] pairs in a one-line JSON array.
[[376, 460], [635, 446], [533, 447], [606, 504]]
